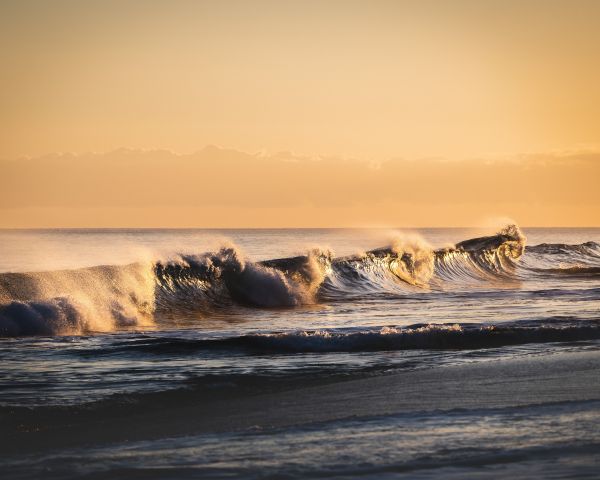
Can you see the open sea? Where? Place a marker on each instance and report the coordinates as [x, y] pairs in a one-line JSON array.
[[307, 353]]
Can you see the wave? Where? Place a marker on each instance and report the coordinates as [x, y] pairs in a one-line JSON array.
[[225, 276], [73, 302], [422, 337], [411, 264], [143, 295], [577, 261], [576, 271], [586, 249]]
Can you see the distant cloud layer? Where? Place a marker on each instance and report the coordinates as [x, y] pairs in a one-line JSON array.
[[221, 187]]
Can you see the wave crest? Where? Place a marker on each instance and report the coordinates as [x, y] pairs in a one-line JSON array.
[[106, 298], [390, 338]]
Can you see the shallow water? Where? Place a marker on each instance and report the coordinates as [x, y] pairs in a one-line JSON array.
[[119, 316]]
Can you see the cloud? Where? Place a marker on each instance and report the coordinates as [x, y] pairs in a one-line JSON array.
[[217, 177]]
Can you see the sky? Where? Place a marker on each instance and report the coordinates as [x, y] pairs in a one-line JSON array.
[[299, 114]]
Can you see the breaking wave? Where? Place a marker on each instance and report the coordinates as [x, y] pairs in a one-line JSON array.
[[142, 295], [422, 337], [73, 302]]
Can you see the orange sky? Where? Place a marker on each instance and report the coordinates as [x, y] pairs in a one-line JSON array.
[[423, 113]]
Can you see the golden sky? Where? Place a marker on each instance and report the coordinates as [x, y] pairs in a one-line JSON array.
[[399, 113]]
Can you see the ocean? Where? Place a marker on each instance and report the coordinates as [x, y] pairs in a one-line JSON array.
[[300, 353]]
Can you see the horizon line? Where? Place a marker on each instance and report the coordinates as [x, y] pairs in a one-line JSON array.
[[291, 228]]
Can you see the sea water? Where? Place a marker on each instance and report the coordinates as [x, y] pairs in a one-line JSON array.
[[92, 320]]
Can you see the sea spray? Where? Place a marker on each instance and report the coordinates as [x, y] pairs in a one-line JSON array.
[[415, 259], [69, 302]]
